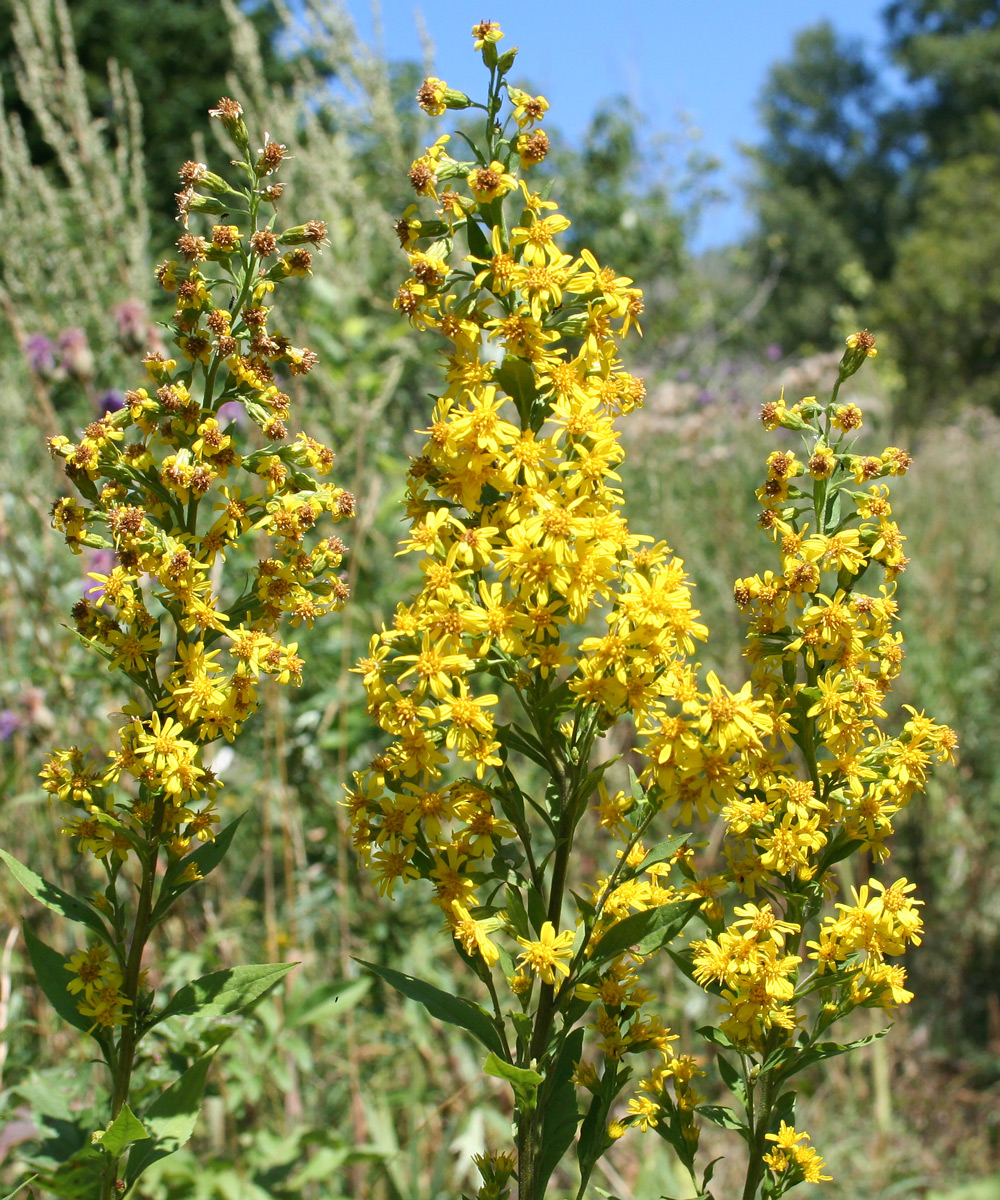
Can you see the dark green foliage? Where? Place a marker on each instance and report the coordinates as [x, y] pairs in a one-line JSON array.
[[828, 188], [943, 306], [178, 52], [879, 209]]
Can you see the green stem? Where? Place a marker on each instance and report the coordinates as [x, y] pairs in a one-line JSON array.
[[761, 1120], [527, 1122], [128, 1043]]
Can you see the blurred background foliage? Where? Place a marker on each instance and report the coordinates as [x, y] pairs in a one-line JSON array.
[[875, 204]]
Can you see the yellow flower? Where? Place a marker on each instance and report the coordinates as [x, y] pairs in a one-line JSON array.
[[549, 954], [486, 183]]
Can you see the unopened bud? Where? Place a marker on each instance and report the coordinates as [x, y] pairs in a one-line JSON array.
[[455, 99], [506, 60], [205, 204], [312, 232]]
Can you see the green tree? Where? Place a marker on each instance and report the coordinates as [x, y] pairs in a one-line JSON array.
[[179, 52], [951, 49], [942, 306], [624, 197], [827, 190]]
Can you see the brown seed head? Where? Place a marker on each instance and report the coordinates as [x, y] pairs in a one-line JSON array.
[[263, 242], [193, 247], [227, 110], [192, 173], [421, 177], [533, 147]]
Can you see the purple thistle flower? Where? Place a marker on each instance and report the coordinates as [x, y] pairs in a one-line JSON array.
[[99, 562], [40, 354], [77, 359], [110, 401], [131, 318]]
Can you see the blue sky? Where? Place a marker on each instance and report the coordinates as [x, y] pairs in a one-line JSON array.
[[707, 59]]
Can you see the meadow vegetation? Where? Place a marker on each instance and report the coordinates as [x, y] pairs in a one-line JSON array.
[[333, 1084]]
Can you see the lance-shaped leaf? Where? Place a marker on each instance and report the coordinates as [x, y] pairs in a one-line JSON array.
[[50, 971], [718, 1114], [54, 897], [512, 737], [20, 1187], [645, 931], [524, 1082], [170, 1119], [206, 858], [560, 1115], [795, 1059], [662, 851], [223, 992], [453, 1010], [125, 1129]]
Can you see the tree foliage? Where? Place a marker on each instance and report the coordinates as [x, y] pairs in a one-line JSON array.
[[878, 204], [178, 51]]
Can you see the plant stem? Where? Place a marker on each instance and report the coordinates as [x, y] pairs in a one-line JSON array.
[[761, 1121], [128, 1043]]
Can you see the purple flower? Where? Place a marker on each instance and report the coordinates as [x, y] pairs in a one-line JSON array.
[[77, 359], [232, 410], [705, 396], [131, 318], [9, 722], [110, 401], [774, 352], [40, 354], [99, 562]]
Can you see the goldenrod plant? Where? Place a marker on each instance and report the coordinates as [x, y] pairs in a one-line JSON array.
[[542, 623], [216, 520]]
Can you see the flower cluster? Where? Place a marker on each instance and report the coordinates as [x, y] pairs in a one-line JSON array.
[[541, 620], [195, 465], [517, 523]]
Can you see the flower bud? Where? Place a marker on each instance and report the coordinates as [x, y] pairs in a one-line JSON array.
[[204, 204], [859, 347], [313, 232], [506, 60]]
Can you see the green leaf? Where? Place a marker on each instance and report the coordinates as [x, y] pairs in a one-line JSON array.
[[517, 739], [50, 971], [516, 913], [560, 1116], [537, 913], [479, 243], [53, 897], [123, 1130], [20, 1186], [732, 1078], [223, 992], [170, 1119], [517, 379], [662, 851], [524, 1082], [594, 778], [820, 1051], [718, 1114], [454, 1010], [509, 796], [206, 858], [646, 931]]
